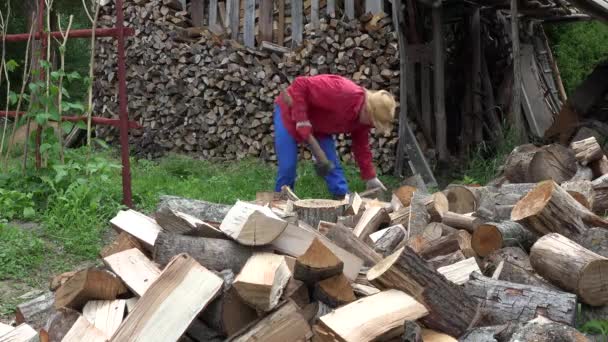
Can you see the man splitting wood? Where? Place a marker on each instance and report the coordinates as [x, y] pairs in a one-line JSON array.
[[312, 110]]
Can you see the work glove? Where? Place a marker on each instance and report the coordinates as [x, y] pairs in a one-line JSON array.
[[374, 183], [323, 169], [304, 130]]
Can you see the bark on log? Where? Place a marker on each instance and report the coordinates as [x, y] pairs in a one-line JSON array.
[[448, 259], [185, 224], [514, 264], [490, 237], [571, 267], [548, 208], [37, 311], [461, 221], [205, 211], [317, 263], [518, 162], [582, 191], [595, 240], [587, 150], [387, 243], [442, 246], [419, 217], [215, 254], [450, 309], [505, 302], [553, 162], [544, 330], [599, 167], [58, 325], [344, 238], [370, 221], [312, 211], [436, 205], [335, 291]]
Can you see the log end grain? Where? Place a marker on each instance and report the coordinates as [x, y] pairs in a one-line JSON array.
[[592, 283], [486, 239], [534, 201]]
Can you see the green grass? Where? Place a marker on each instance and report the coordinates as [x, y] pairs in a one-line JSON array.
[[20, 251]]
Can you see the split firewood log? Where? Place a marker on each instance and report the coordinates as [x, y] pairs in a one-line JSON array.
[[450, 309], [312, 211], [489, 237], [467, 222], [317, 263], [252, 225], [335, 291], [371, 220], [262, 280], [552, 162], [582, 191], [448, 259], [86, 285], [459, 272], [345, 238], [505, 302], [599, 167], [549, 208], [587, 150], [181, 223], [389, 240], [37, 311], [571, 267]]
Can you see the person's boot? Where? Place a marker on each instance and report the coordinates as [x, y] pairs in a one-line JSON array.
[[339, 197]]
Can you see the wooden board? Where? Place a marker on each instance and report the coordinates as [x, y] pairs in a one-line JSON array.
[[459, 272], [140, 226], [105, 315], [371, 317], [83, 330], [174, 300], [134, 268], [294, 241], [537, 112]]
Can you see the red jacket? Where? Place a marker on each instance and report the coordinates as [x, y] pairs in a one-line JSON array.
[[331, 103]]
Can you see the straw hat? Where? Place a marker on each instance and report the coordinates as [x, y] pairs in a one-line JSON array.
[[381, 106]]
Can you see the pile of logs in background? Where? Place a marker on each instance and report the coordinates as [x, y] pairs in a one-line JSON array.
[[196, 92]]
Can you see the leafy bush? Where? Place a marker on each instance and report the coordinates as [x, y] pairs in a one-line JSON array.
[[16, 205], [578, 47], [595, 327]]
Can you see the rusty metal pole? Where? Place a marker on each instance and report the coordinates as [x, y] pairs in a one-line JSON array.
[[43, 47], [122, 105]]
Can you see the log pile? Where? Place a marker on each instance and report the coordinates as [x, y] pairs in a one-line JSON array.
[[197, 92], [258, 270]]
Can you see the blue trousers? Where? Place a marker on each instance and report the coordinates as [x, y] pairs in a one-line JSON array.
[[286, 149]]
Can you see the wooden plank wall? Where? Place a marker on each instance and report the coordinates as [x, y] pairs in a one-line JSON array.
[[252, 22]]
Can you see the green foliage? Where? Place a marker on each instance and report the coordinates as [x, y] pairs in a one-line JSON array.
[[595, 327], [20, 252], [483, 165], [578, 47], [16, 205]]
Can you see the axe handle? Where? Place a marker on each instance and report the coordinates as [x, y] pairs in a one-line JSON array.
[[316, 150]]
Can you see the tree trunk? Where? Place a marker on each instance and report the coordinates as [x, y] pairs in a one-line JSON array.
[[205, 211], [450, 309], [513, 264], [550, 209], [490, 237], [505, 302], [571, 267], [518, 163], [312, 211], [215, 254]]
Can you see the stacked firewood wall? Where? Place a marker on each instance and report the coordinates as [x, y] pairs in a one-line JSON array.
[[200, 93]]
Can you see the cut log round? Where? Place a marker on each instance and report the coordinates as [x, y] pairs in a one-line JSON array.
[[571, 267], [553, 162], [433, 231], [587, 150], [548, 208], [461, 199], [450, 309], [312, 211], [215, 254], [317, 263], [335, 291], [506, 302], [490, 237], [404, 194], [436, 205], [518, 163]]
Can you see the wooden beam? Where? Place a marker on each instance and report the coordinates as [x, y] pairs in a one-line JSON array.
[[197, 12], [296, 22], [266, 11], [249, 27], [439, 76], [331, 8], [281, 24], [349, 9], [516, 119], [212, 12], [314, 13], [233, 16]]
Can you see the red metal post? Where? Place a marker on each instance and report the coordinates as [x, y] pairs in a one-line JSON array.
[[122, 106]]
